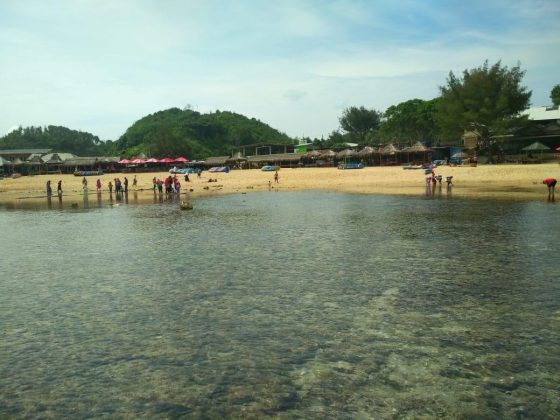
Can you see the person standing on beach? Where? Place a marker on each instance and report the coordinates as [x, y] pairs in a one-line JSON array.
[[154, 181], [59, 188], [98, 185], [134, 183], [550, 183], [84, 184], [159, 184], [276, 177], [110, 188], [125, 185], [49, 188]]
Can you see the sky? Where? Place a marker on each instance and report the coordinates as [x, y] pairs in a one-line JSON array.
[[99, 66]]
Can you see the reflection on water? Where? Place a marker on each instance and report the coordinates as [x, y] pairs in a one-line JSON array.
[[289, 304]]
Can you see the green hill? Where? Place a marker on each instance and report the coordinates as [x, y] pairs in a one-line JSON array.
[[175, 132], [172, 132], [60, 139]]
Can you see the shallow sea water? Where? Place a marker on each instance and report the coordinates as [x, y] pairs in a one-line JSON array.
[[285, 305]]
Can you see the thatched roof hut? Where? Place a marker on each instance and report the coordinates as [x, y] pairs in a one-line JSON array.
[[346, 153], [416, 148], [313, 154], [215, 161], [389, 149], [327, 154], [367, 151], [237, 157], [275, 158]]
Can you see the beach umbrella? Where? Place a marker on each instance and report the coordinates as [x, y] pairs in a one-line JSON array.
[[181, 160], [166, 160], [124, 161], [557, 149], [152, 160], [138, 161]]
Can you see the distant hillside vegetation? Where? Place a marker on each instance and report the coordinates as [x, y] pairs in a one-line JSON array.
[[175, 132], [60, 139]]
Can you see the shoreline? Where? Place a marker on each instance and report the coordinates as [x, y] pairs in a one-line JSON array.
[[500, 182]]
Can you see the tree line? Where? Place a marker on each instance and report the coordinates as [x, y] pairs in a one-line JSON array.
[[488, 99]]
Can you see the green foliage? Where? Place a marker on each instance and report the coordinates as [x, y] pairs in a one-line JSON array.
[[555, 95], [175, 132], [60, 139], [360, 122], [484, 96], [410, 121]]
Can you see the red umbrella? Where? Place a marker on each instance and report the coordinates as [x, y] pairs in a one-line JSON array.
[[166, 160], [138, 161], [557, 149], [124, 161], [152, 160], [181, 160]]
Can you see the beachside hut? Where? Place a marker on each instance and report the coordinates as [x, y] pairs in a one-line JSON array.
[[90, 163], [328, 156], [417, 152], [367, 154], [276, 159], [55, 161], [215, 161], [346, 153], [237, 160], [389, 155], [33, 165], [4, 165], [536, 147]]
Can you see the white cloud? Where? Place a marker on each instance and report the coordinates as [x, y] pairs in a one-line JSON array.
[[99, 66]]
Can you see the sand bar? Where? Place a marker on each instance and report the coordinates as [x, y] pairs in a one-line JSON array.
[[510, 182]]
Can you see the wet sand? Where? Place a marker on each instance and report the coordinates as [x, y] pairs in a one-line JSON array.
[[511, 182]]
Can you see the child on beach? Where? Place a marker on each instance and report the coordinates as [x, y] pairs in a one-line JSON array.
[[59, 188], [49, 188], [110, 187], [98, 185]]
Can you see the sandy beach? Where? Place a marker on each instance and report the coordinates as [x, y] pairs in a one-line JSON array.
[[515, 182]]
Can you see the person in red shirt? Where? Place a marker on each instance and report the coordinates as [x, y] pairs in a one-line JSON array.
[[550, 183]]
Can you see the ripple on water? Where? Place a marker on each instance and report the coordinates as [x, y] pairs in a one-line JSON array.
[[294, 305]]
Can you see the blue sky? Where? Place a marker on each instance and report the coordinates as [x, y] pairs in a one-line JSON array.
[[99, 66]]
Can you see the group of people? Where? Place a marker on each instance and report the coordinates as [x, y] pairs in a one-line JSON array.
[[171, 183], [58, 188], [432, 179]]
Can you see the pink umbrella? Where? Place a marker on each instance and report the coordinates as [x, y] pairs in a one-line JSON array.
[[138, 161], [557, 149], [124, 161], [166, 160], [152, 160], [181, 160]]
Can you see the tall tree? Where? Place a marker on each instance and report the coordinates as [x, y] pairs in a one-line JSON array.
[[410, 121], [555, 95], [359, 122], [486, 96]]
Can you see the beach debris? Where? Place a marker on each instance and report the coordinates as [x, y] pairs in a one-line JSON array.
[[185, 205]]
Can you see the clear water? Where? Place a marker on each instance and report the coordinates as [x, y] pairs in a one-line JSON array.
[[309, 305]]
